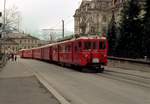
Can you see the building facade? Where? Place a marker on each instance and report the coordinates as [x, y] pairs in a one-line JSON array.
[[13, 42], [93, 16]]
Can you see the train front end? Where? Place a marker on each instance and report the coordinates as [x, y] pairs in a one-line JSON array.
[[94, 53]]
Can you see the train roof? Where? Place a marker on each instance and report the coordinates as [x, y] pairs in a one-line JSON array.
[[80, 38], [47, 45], [71, 40], [102, 37], [84, 38], [24, 49]]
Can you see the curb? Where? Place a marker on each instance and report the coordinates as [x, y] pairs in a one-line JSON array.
[[58, 96]]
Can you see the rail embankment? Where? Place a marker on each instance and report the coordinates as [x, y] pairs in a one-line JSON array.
[[129, 64]]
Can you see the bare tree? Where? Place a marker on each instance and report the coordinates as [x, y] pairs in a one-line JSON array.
[[12, 19]]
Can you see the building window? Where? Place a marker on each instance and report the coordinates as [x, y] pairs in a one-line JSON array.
[[35, 42]]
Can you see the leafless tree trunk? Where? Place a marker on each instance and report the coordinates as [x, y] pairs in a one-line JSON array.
[[12, 19]]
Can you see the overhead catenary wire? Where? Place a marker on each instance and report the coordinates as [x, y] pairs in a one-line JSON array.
[[54, 29], [66, 22]]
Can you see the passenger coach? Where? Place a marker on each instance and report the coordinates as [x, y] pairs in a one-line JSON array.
[[84, 52]]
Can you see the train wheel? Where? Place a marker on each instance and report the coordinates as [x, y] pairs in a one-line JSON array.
[[84, 70], [100, 69], [62, 64]]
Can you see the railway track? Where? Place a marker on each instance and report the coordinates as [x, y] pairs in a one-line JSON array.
[[138, 80]]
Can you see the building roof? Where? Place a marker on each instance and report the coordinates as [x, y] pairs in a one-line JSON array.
[[20, 36], [8, 41]]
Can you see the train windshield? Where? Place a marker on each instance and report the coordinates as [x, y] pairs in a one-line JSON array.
[[102, 44], [87, 45], [90, 45], [95, 45]]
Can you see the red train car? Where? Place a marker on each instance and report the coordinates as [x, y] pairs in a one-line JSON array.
[[84, 52], [25, 53], [47, 52], [55, 52], [37, 53], [66, 52]]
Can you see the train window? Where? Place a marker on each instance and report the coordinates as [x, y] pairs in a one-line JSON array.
[[60, 48], [69, 48], [102, 45], [75, 48], [80, 44], [94, 45], [87, 45], [65, 48], [55, 49]]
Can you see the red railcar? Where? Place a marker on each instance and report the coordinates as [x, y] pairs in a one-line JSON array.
[[55, 52], [85, 52], [25, 53], [46, 52], [66, 52], [37, 53]]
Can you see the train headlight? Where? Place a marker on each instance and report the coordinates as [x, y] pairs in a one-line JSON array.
[[95, 60]]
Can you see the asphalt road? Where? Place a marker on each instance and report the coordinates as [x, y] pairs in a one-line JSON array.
[[114, 86]]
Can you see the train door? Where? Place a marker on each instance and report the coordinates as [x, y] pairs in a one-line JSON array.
[[50, 53], [32, 53], [58, 53], [42, 53], [68, 52], [22, 54], [77, 47]]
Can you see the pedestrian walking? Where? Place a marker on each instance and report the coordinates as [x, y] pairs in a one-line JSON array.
[[15, 57], [12, 57]]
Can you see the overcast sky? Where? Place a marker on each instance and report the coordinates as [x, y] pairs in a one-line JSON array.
[[37, 14]]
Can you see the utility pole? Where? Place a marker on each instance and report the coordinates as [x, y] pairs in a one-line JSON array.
[[1, 24], [4, 16], [63, 29], [50, 36], [18, 23], [0, 33]]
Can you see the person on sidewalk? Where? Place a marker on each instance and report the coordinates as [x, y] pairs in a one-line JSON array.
[[12, 57], [15, 57]]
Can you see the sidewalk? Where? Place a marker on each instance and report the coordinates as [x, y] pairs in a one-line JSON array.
[[19, 86]]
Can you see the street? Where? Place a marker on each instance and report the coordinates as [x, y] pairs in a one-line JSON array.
[[111, 87]]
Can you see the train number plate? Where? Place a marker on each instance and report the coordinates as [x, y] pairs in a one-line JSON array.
[[95, 60]]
